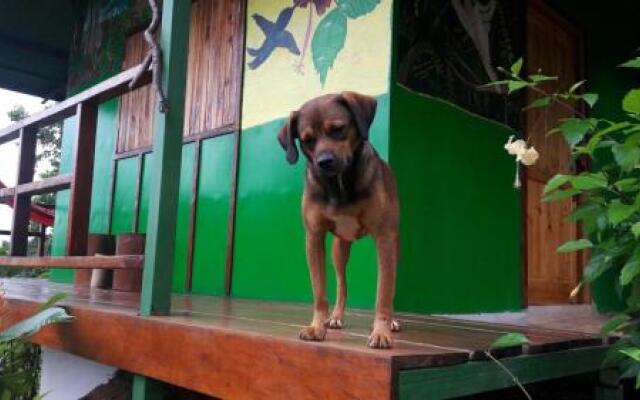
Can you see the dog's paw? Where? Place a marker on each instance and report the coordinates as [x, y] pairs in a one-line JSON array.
[[313, 333], [395, 325], [334, 323], [380, 338]]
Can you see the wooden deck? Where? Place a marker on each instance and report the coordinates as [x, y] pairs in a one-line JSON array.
[[233, 348]]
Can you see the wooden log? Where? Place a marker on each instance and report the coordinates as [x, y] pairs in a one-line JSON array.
[[22, 202], [96, 244], [129, 280], [75, 262]]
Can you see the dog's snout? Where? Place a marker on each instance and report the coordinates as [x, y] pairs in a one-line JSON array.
[[326, 162]]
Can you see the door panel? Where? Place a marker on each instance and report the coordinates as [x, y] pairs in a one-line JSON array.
[[554, 47]]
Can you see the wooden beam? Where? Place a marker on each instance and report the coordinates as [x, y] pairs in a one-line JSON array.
[[99, 93], [75, 262], [49, 185], [167, 150], [193, 212], [484, 376], [22, 202], [80, 196]]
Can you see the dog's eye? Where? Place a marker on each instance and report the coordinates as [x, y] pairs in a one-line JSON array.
[[337, 133], [309, 141]]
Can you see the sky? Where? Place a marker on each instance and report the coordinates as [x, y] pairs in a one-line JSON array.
[[9, 151]]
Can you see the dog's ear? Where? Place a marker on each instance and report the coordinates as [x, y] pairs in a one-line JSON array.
[[287, 137], [363, 110]]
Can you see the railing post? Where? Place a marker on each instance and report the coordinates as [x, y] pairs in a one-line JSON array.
[[22, 202], [155, 298], [82, 180]]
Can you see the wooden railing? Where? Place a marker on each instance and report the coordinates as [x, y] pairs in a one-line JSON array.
[[85, 107]]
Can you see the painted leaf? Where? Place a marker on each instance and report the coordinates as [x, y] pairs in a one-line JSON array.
[[631, 102], [321, 5], [510, 340], [575, 245], [32, 324], [328, 41], [357, 8]]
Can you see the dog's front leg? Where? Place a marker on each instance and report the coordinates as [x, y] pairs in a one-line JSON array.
[[316, 259], [387, 246]]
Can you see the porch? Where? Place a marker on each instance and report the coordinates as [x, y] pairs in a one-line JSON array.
[[234, 348]]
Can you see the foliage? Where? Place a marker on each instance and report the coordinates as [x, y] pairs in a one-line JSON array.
[[609, 210], [20, 366], [48, 152]]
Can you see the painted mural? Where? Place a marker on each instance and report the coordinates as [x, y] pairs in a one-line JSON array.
[[450, 48], [298, 49]]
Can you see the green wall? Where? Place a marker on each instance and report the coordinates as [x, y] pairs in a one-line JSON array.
[[460, 216]]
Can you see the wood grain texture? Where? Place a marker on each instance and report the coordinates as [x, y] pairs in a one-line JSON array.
[[233, 348], [135, 121], [75, 262], [553, 46], [48, 185], [82, 181], [215, 69]]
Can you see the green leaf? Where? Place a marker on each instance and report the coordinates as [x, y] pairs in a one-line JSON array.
[[509, 340], [589, 181], [575, 245], [627, 184], [626, 156], [590, 98], [576, 86], [514, 86], [517, 67], [574, 130], [556, 181], [357, 8], [635, 229], [631, 102], [328, 40], [53, 300], [495, 83], [632, 352], [614, 324], [585, 211], [618, 211], [635, 63], [561, 194], [630, 270], [32, 324], [596, 266], [539, 103], [542, 78]]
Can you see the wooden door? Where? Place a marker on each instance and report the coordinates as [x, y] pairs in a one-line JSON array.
[[554, 46]]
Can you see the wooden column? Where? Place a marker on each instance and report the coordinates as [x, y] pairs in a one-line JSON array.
[[80, 197], [167, 147], [128, 280], [22, 202], [96, 244]]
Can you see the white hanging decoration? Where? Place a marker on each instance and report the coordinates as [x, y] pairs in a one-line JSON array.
[[524, 155]]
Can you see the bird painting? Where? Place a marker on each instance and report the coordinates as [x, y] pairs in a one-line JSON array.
[[275, 35]]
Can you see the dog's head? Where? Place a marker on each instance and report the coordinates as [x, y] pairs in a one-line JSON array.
[[329, 128]]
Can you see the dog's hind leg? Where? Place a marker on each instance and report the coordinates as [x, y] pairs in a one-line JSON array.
[[316, 259], [340, 253]]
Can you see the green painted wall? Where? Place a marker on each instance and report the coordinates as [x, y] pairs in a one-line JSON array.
[[460, 216], [212, 215], [269, 257]]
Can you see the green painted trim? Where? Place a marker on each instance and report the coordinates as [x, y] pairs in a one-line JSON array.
[[155, 298], [146, 389], [484, 376]]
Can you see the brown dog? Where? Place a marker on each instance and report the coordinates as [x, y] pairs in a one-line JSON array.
[[350, 192]]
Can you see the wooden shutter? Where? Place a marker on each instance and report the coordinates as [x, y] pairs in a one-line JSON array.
[[135, 128], [214, 74]]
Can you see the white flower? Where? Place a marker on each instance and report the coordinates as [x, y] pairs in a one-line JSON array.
[[515, 148], [528, 157]]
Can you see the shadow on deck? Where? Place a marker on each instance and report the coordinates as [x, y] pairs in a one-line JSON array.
[[233, 348]]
